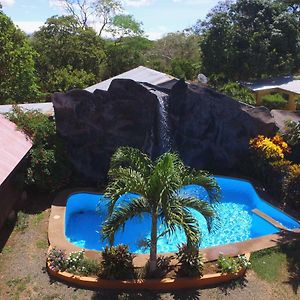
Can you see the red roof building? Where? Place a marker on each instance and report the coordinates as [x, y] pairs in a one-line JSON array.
[[14, 145]]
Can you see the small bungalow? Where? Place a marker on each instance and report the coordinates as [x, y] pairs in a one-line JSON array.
[[287, 86], [14, 145]]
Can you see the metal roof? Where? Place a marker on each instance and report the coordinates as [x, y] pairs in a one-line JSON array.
[[13, 147], [46, 108], [140, 74], [287, 83]]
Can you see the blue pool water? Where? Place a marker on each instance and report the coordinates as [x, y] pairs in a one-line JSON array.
[[235, 221]]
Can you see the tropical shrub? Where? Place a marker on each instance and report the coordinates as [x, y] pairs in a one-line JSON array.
[[157, 182], [190, 261], [117, 263], [292, 133], [292, 186], [49, 167], [232, 265], [163, 267], [275, 101]]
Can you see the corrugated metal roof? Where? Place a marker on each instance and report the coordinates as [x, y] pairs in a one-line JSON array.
[[13, 147], [140, 74], [46, 108], [287, 83]]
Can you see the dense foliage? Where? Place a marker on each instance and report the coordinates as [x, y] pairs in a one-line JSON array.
[[176, 54], [157, 182], [190, 261], [269, 164], [67, 53], [250, 39], [236, 91], [117, 263], [292, 133], [49, 168], [18, 80]]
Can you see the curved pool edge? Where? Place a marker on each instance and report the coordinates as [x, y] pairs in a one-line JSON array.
[[164, 284], [57, 238]]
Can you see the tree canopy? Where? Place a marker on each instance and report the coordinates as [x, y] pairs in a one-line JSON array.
[[176, 54], [250, 39], [67, 50], [18, 80]]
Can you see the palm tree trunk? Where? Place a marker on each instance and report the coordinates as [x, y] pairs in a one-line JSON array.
[[153, 246]]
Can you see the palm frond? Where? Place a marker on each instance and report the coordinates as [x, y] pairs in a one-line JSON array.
[[205, 180], [121, 215], [124, 180], [204, 208], [133, 158], [178, 217]]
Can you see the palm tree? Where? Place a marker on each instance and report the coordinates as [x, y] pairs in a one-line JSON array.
[[157, 183]]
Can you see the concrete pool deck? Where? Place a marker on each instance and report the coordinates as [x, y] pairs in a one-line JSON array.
[[57, 238]]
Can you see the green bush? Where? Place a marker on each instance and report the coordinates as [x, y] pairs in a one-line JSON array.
[[49, 168], [190, 261], [236, 91], [22, 221], [275, 101], [117, 263]]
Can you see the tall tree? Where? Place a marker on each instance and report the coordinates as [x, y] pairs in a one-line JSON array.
[[157, 185], [176, 54], [18, 81], [90, 12], [69, 52], [250, 39]]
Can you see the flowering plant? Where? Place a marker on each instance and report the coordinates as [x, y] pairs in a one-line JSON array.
[[232, 265], [270, 148], [57, 259]]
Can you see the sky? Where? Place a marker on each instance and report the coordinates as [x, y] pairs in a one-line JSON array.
[[158, 16]]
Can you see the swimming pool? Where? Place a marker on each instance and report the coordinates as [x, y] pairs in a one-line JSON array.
[[235, 221]]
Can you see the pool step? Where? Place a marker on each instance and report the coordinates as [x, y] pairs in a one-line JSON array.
[[268, 219]]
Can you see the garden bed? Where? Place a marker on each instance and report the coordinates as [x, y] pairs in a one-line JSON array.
[[147, 284]]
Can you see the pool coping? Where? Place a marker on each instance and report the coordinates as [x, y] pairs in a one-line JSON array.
[[57, 238]]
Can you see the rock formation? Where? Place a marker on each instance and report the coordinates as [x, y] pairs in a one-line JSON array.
[[208, 129]]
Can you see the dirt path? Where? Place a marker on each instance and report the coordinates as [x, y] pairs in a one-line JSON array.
[[23, 275]]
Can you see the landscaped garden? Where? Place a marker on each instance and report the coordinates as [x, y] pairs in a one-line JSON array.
[[157, 190]]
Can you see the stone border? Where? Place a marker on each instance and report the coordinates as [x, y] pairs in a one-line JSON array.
[[58, 239], [165, 284]]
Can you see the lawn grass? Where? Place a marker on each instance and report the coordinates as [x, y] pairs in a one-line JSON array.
[[269, 263]]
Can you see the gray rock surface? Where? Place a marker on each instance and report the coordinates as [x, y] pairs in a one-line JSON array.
[[211, 130], [95, 125], [208, 129]]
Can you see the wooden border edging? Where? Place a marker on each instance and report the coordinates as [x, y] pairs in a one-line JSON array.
[[164, 284]]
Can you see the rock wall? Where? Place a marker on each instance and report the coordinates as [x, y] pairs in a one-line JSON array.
[[211, 130], [95, 125], [208, 129]]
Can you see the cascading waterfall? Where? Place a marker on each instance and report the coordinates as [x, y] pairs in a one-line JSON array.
[[164, 132]]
